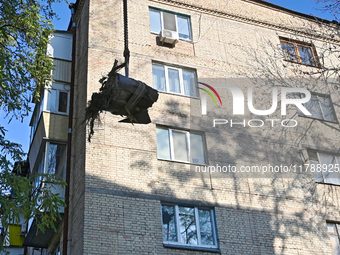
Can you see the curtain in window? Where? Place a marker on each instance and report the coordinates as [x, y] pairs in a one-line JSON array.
[[189, 83], [180, 146], [196, 149], [174, 85], [158, 75], [163, 143]]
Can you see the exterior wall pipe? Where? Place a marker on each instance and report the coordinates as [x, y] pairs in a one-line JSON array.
[[69, 138]]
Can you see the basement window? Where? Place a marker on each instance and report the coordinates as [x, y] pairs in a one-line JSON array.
[[174, 80], [170, 21], [325, 167], [188, 227], [334, 234], [299, 52], [180, 145]]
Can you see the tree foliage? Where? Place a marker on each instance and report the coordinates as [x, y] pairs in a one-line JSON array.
[[25, 28]]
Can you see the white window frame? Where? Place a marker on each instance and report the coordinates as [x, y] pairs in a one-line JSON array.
[[198, 230], [322, 172], [172, 149], [176, 15], [317, 96], [187, 137], [181, 84], [59, 87]]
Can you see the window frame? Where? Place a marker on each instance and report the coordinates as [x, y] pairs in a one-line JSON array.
[[296, 44], [337, 229], [335, 156], [317, 95], [181, 81], [161, 11], [59, 87], [197, 246], [187, 137]]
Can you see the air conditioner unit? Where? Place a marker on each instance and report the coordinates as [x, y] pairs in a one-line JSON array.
[[168, 36], [23, 229]]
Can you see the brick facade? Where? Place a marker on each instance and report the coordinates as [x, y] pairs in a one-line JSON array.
[[117, 181]]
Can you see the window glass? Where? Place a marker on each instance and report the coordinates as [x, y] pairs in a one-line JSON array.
[[197, 150], [52, 100], [166, 20], [174, 144], [320, 106], [189, 83], [174, 84], [313, 107], [158, 74], [188, 219], [56, 160], [206, 229], [169, 224], [187, 225], [334, 236], [316, 174], [180, 146], [155, 21], [183, 27], [327, 108], [327, 164], [299, 52], [325, 168], [174, 80], [289, 51], [163, 143], [306, 55], [40, 171], [63, 98]]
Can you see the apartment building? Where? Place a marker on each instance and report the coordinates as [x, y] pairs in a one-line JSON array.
[[215, 171]]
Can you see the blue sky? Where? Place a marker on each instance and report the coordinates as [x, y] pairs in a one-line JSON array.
[[19, 132]]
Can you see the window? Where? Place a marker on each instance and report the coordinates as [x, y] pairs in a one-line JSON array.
[[166, 20], [57, 101], [174, 80], [299, 52], [188, 226], [57, 98], [321, 107], [180, 145], [333, 231], [56, 160], [53, 162], [325, 167]]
